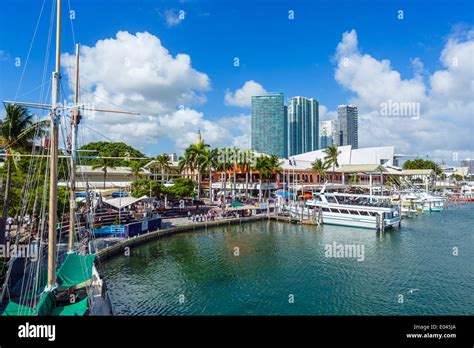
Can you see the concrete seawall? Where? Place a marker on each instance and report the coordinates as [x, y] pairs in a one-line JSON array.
[[104, 254]]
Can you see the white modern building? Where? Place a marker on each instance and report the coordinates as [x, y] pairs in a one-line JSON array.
[[116, 177], [382, 155]]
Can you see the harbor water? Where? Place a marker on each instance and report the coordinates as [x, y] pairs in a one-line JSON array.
[[273, 268]]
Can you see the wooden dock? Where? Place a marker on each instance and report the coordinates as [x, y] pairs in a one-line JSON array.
[[293, 220]]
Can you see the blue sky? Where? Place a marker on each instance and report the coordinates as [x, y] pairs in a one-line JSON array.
[[296, 56]]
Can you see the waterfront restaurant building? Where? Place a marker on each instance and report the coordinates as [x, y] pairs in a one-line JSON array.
[[362, 168]]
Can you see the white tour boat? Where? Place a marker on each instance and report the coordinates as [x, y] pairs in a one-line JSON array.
[[354, 210]]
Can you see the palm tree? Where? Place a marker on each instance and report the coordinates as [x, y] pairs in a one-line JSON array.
[[331, 157], [223, 166], [392, 181], [236, 153], [209, 163], [274, 166], [17, 130], [244, 164], [136, 169], [185, 163], [194, 157], [104, 163], [162, 162], [354, 179], [263, 169], [320, 166]]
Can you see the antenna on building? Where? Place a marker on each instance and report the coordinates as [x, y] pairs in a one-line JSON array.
[[199, 138]]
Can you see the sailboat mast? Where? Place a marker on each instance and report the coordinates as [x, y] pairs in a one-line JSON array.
[[53, 171], [74, 123]]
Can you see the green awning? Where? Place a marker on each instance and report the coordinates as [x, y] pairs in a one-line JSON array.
[[75, 309], [75, 270], [16, 309]]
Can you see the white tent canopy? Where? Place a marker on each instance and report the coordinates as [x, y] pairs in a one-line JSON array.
[[123, 202]]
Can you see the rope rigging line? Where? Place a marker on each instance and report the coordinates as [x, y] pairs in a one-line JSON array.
[[34, 89], [29, 50], [105, 100], [46, 59], [31, 185], [72, 25]]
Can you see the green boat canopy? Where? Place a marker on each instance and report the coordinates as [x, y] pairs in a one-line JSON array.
[[76, 309], [15, 309], [44, 307], [46, 303], [75, 270]]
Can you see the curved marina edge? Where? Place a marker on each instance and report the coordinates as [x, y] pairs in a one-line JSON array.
[[103, 254]]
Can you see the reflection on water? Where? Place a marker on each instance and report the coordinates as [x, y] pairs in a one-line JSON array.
[[276, 260]]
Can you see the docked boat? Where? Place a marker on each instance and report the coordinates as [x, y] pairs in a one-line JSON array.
[[467, 193], [354, 210], [410, 203], [417, 201], [432, 203]]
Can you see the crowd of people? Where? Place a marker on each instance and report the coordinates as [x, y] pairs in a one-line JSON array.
[[211, 215]]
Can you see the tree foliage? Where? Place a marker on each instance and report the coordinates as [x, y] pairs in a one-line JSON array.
[[182, 188], [24, 199], [143, 187], [109, 149], [320, 166], [419, 163]]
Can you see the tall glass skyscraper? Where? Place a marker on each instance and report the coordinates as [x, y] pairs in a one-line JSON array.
[[269, 124], [327, 133], [303, 125], [347, 116]]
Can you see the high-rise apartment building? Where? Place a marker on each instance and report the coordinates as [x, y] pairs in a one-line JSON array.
[[303, 125], [469, 163], [328, 131], [348, 132], [269, 124]]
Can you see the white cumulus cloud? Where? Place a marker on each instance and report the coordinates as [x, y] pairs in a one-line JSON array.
[[445, 124], [242, 97], [135, 72]]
